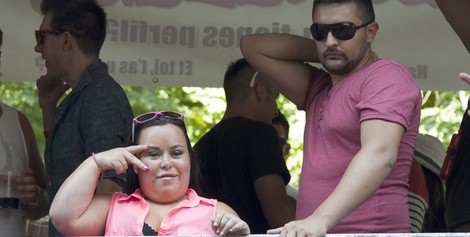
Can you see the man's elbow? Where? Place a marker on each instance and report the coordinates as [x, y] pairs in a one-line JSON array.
[[246, 45]]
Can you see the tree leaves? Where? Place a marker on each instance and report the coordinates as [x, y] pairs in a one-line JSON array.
[[204, 107]]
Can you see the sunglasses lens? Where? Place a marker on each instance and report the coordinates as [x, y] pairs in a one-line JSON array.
[[145, 117], [344, 31], [341, 31], [172, 115], [37, 33], [318, 31]]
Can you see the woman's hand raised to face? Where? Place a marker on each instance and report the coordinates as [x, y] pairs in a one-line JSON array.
[[118, 159]]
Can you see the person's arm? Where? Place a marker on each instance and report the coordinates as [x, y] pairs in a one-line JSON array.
[[277, 207], [457, 13], [364, 175], [32, 182], [281, 57], [75, 210], [227, 221], [50, 90]]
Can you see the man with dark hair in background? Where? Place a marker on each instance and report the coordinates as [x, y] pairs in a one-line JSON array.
[[281, 125], [96, 114], [240, 157]]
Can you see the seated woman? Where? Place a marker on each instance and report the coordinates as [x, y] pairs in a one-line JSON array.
[[160, 198]]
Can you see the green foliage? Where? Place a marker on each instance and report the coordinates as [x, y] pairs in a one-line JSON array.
[[442, 112], [204, 107], [23, 97]]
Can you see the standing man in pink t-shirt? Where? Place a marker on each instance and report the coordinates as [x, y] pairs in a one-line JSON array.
[[363, 116]]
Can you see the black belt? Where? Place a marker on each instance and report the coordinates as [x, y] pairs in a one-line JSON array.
[[10, 203]]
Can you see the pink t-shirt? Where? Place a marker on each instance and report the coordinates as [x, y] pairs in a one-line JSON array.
[[192, 216], [382, 90]]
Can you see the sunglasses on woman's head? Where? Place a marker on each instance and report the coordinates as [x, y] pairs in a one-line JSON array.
[[143, 118], [341, 31]]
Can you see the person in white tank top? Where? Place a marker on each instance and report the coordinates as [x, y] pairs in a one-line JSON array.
[[19, 158]]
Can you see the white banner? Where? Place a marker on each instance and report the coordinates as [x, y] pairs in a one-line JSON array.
[[191, 42]]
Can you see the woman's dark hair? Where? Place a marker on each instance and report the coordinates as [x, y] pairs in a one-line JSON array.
[[132, 180]]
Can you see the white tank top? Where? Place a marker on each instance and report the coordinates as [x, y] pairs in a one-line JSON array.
[[13, 158], [13, 148]]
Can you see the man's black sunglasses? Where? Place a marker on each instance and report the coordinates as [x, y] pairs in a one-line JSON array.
[[341, 31]]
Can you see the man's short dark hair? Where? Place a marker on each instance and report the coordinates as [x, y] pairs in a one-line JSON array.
[[237, 80], [84, 18], [365, 9]]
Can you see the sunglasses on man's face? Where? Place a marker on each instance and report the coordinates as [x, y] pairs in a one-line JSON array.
[[143, 118], [341, 31], [41, 34]]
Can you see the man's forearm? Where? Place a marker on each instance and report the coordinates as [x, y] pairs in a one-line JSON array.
[[280, 46], [457, 13]]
